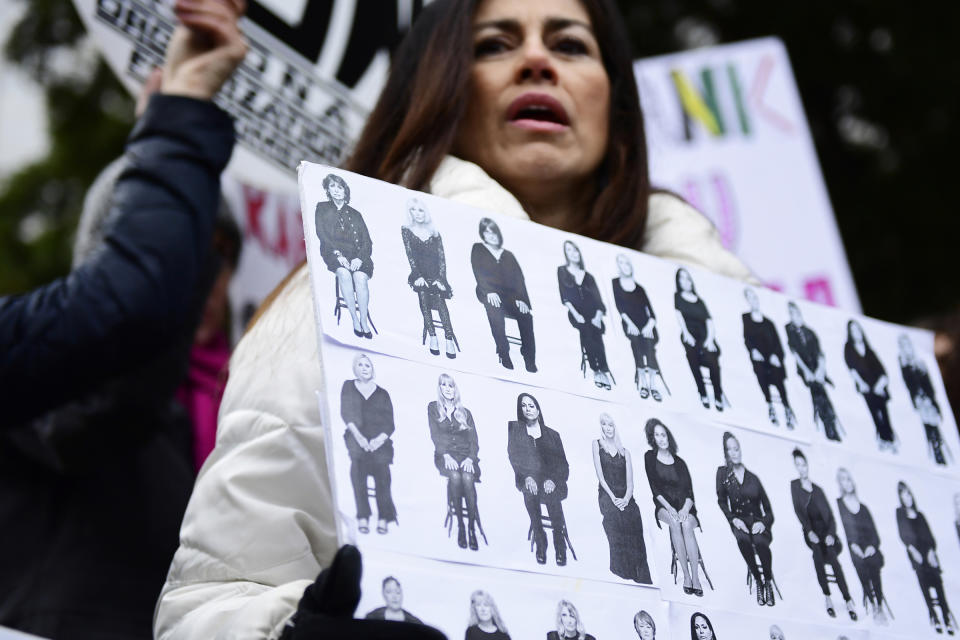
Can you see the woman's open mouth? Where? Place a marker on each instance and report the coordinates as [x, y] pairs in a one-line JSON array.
[[538, 112]]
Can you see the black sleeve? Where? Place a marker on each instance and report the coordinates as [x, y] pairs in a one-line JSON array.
[[405, 235], [124, 304]]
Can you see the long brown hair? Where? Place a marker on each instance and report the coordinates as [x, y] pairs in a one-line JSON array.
[[416, 119]]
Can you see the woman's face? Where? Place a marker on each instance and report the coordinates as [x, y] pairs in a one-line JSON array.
[[733, 451], [906, 498], [845, 480], [906, 347], [448, 389], [644, 630], [539, 99], [571, 252], [529, 409], [393, 595], [568, 620], [418, 212], [624, 266], [364, 369], [752, 299], [795, 316], [802, 467], [660, 437], [686, 282], [856, 332], [336, 190], [702, 629], [607, 427], [491, 237], [484, 612]]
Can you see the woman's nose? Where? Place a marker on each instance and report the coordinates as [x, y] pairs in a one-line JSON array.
[[536, 65]]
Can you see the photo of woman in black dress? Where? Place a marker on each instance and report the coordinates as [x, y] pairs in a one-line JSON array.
[[640, 325], [621, 515], [701, 628], [863, 542], [541, 472], [644, 625], [569, 626], [428, 274], [917, 379], [346, 249], [766, 355], [485, 622], [922, 551], [393, 599], [503, 292], [699, 339], [454, 436], [812, 367], [585, 311], [870, 379], [673, 502], [819, 533], [746, 506], [367, 412]]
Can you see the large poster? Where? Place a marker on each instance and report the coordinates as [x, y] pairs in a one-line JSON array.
[[567, 432]]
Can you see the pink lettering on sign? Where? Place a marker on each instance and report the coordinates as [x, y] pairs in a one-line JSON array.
[[716, 202], [818, 289], [253, 204], [282, 217], [758, 90]]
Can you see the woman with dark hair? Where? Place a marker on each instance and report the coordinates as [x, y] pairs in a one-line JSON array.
[[503, 292], [864, 543], [640, 325], [699, 338], [922, 551], [585, 311], [819, 532], [766, 355], [812, 367], [917, 379], [454, 436], [569, 625], [746, 506], [539, 103], [428, 273], [701, 628], [621, 515], [393, 600], [673, 502], [485, 622], [870, 379], [347, 250], [540, 471]]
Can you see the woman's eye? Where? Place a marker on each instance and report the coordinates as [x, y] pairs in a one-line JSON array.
[[571, 46], [489, 47]]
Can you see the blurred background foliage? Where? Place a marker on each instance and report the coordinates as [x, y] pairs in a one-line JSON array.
[[877, 77]]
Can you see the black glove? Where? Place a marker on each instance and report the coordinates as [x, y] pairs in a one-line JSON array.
[[326, 609]]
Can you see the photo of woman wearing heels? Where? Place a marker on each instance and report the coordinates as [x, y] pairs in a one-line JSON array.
[[863, 542], [699, 339], [812, 367], [917, 379], [673, 502], [485, 622], [503, 292], [621, 515], [585, 311], [346, 249], [746, 506], [367, 412], [454, 436], [428, 274], [870, 379], [922, 551], [640, 325], [819, 533], [766, 355], [569, 625]]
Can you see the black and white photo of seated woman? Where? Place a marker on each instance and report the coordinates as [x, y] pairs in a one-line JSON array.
[[745, 504], [812, 367], [922, 552], [367, 412], [585, 311], [871, 381], [503, 292], [917, 379], [673, 501], [485, 621], [640, 325], [456, 446], [347, 250], [569, 625], [393, 604], [621, 515], [766, 355], [541, 472], [428, 274], [699, 338]]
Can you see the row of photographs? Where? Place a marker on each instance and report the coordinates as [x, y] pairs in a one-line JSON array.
[[478, 603], [442, 464], [431, 280]]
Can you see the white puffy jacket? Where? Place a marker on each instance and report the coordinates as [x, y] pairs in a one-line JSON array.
[[260, 524]]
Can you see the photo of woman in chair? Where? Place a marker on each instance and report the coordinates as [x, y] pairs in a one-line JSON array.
[[454, 436], [485, 622], [746, 506], [864, 544], [766, 355], [673, 502], [346, 249], [699, 338], [503, 292], [428, 274], [640, 325], [367, 412], [541, 472], [621, 515], [917, 379], [569, 625], [819, 533], [922, 551], [812, 367], [870, 379], [585, 311]]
